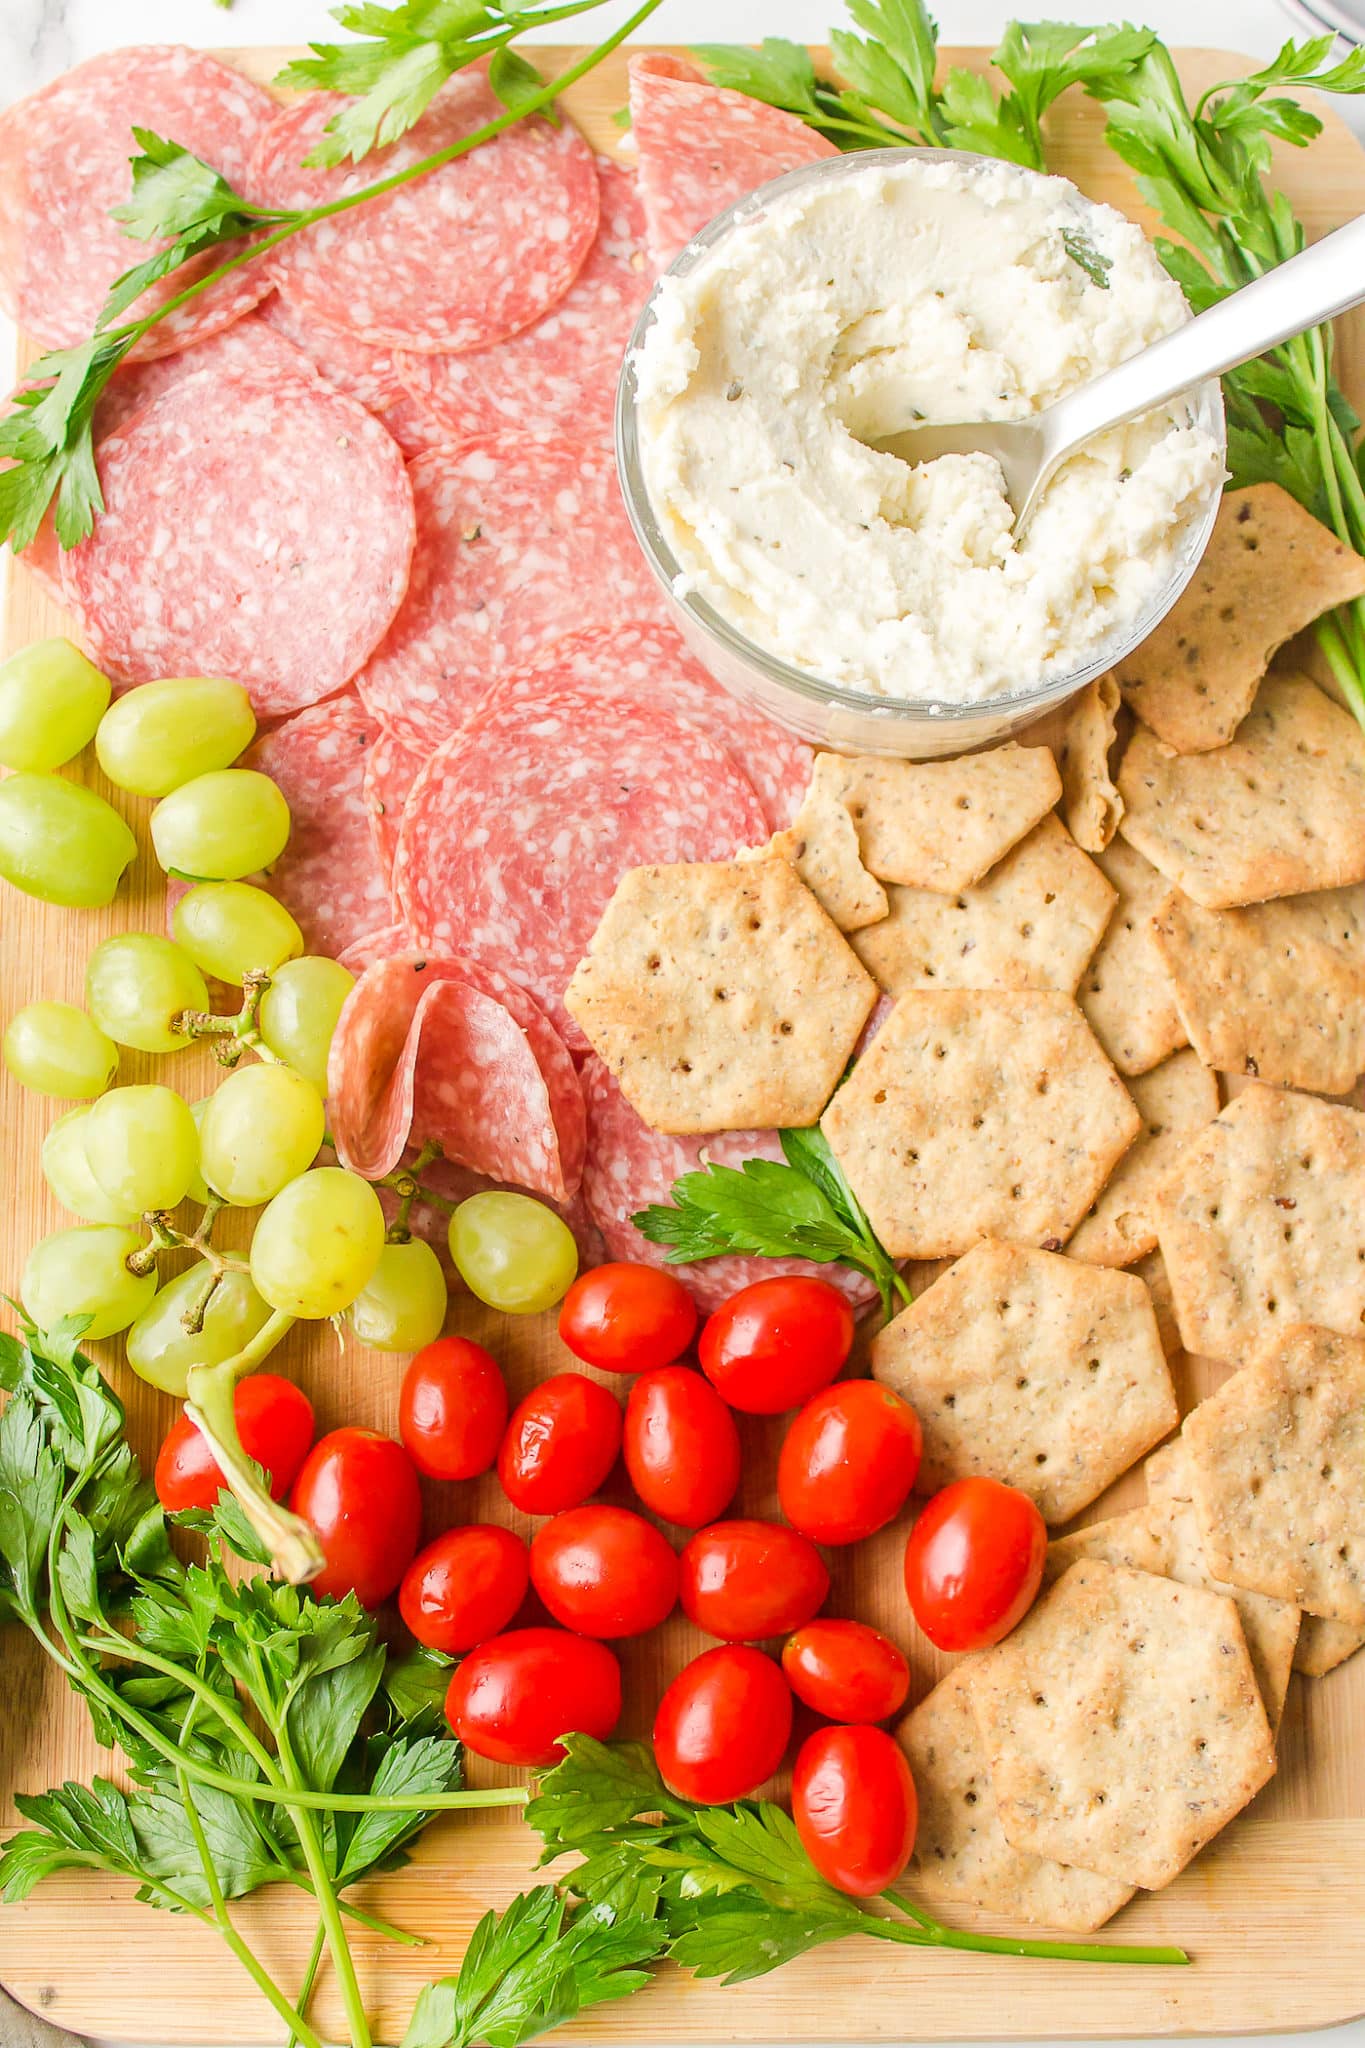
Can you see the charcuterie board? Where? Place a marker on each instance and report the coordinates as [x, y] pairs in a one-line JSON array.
[[1273, 1915]]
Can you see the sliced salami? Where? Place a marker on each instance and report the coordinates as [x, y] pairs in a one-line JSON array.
[[256, 528], [248, 345], [416, 430], [629, 1166], [453, 1053], [558, 376], [328, 876], [465, 256], [518, 830], [64, 155], [374, 946], [520, 538], [391, 768], [701, 147], [365, 373]]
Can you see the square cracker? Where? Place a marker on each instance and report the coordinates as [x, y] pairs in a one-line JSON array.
[[1278, 811], [976, 1115], [1122, 1723], [1269, 570], [944, 824], [1276, 990], [960, 1849], [1032, 922], [1175, 1099], [1151, 1270], [1164, 1538], [1277, 1465], [1167, 1472], [821, 843], [1126, 992], [1033, 1369], [1262, 1224], [1091, 804], [721, 996]]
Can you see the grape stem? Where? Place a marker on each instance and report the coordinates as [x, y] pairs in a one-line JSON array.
[[295, 1553], [233, 1033], [166, 1238], [407, 1186]]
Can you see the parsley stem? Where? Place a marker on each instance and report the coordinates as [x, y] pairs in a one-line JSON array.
[[310, 1977], [932, 1934], [343, 1962]]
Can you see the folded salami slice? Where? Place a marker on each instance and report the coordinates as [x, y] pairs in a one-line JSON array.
[[518, 830], [64, 155], [391, 768], [450, 1052], [521, 538], [701, 147], [365, 373], [256, 527], [462, 257]]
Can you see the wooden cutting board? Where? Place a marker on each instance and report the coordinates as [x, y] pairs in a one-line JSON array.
[[1273, 1914]]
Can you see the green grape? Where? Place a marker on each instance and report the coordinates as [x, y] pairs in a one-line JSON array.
[[142, 1147], [136, 983], [51, 699], [318, 1243], [67, 1172], [197, 1191], [513, 1252], [231, 930], [55, 1049], [221, 826], [404, 1305], [161, 1350], [163, 734], [262, 1128], [299, 1012], [84, 1272], [61, 842]]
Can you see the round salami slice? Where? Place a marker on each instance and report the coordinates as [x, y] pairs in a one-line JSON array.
[[365, 373], [453, 1053], [372, 947], [416, 430], [558, 376], [459, 258], [248, 345], [629, 1166], [256, 528], [64, 154], [328, 876], [520, 538], [518, 830], [391, 768]]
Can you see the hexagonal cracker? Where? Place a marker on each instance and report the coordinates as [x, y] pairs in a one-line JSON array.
[[721, 996], [979, 1115]]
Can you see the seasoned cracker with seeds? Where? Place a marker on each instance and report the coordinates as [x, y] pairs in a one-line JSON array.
[[1174, 1100], [1125, 992], [943, 824], [721, 996], [822, 845], [1122, 1723], [1091, 804], [979, 1115]]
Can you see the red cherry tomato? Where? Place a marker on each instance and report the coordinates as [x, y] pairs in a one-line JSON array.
[[681, 1446], [723, 1725], [846, 1671], [974, 1563], [560, 1444], [743, 1581], [625, 1318], [464, 1587], [453, 1409], [776, 1343], [513, 1697], [275, 1424], [848, 1462], [359, 1491], [854, 1804], [604, 1571]]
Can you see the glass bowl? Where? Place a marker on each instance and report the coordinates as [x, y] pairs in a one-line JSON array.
[[831, 714]]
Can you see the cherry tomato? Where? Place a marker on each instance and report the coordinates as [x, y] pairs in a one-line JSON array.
[[513, 1697], [776, 1343], [560, 1444], [846, 1671], [604, 1571], [723, 1725], [275, 1424], [974, 1563], [464, 1587], [626, 1318], [359, 1491], [743, 1581], [453, 1409], [848, 1462], [681, 1446], [854, 1804]]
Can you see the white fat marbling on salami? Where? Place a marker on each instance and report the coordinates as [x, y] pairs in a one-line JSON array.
[[247, 345], [364, 373], [391, 768]]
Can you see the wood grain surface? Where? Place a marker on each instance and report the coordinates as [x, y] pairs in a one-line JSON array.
[[1273, 1914]]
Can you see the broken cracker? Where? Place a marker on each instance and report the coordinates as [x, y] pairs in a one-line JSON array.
[[944, 824], [821, 843], [1125, 992], [1174, 1100], [1091, 804], [721, 996], [1032, 1369], [1323, 1645]]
